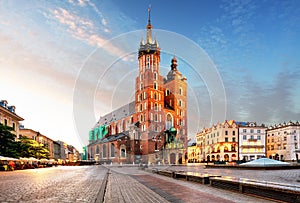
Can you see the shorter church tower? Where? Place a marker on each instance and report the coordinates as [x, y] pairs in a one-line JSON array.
[[176, 102]]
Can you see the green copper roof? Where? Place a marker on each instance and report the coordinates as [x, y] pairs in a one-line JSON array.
[[172, 129]]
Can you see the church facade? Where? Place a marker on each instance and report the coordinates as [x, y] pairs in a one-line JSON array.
[[151, 129]]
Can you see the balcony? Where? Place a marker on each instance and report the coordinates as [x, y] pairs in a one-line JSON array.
[[252, 146], [252, 140]]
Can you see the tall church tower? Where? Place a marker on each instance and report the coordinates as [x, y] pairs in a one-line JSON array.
[[149, 94]]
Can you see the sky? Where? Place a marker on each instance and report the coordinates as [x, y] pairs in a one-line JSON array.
[[66, 63]]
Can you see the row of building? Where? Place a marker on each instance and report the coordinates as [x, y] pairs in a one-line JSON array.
[[58, 150], [231, 141]]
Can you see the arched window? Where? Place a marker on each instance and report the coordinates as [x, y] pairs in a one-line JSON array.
[[155, 76], [155, 106], [155, 96], [180, 91], [141, 118], [155, 117], [180, 103], [167, 92], [123, 153], [155, 86], [141, 107], [148, 62], [169, 121], [112, 150]]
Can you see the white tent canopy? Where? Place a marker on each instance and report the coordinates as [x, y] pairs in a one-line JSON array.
[[265, 162], [3, 158]]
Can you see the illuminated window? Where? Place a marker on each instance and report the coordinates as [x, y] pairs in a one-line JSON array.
[[155, 86], [155, 76]]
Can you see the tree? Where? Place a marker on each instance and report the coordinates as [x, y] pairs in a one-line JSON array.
[[31, 148], [8, 146]]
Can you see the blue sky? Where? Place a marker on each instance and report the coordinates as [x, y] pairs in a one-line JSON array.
[[48, 47]]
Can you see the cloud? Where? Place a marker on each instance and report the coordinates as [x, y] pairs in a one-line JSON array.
[[83, 29]]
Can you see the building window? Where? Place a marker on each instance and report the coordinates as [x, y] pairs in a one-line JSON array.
[[155, 96], [14, 126], [295, 137], [155, 86], [141, 107], [5, 122], [233, 139], [251, 131], [155, 117], [141, 86], [226, 139], [258, 137], [244, 137], [104, 151], [155, 76], [251, 137], [244, 130], [167, 92], [233, 132], [180, 91], [112, 150], [155, 107], [258, 131], [123, 153], [148, 62], [226, 132], [180, 103]]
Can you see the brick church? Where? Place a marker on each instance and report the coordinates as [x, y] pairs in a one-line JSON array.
[[153, 127]]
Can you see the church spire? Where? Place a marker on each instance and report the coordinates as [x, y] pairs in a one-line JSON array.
[[149, 28]]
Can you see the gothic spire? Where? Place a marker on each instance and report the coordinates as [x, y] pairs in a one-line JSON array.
[[149, 28]]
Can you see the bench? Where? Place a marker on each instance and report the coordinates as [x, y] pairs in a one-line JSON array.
[[277, 191]]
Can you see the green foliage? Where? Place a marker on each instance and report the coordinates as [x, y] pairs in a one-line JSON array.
[[31, 148], [8, 146], [25, 147]]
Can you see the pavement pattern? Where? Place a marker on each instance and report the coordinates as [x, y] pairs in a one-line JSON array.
[[56, 184], [125, 184], [134, 182]]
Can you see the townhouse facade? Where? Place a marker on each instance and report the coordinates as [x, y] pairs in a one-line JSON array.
[[283, 141], [8, 117], [251, 140], [218, 143]]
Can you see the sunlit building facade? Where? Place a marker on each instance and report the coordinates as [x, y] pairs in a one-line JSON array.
[[8, 117], [283, 141], [251, 140], [40, 138], [218, 143]]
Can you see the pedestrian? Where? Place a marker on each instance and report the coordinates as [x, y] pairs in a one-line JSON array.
[[11, 165]]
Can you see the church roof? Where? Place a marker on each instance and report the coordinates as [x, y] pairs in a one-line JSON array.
[[122, 112]]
